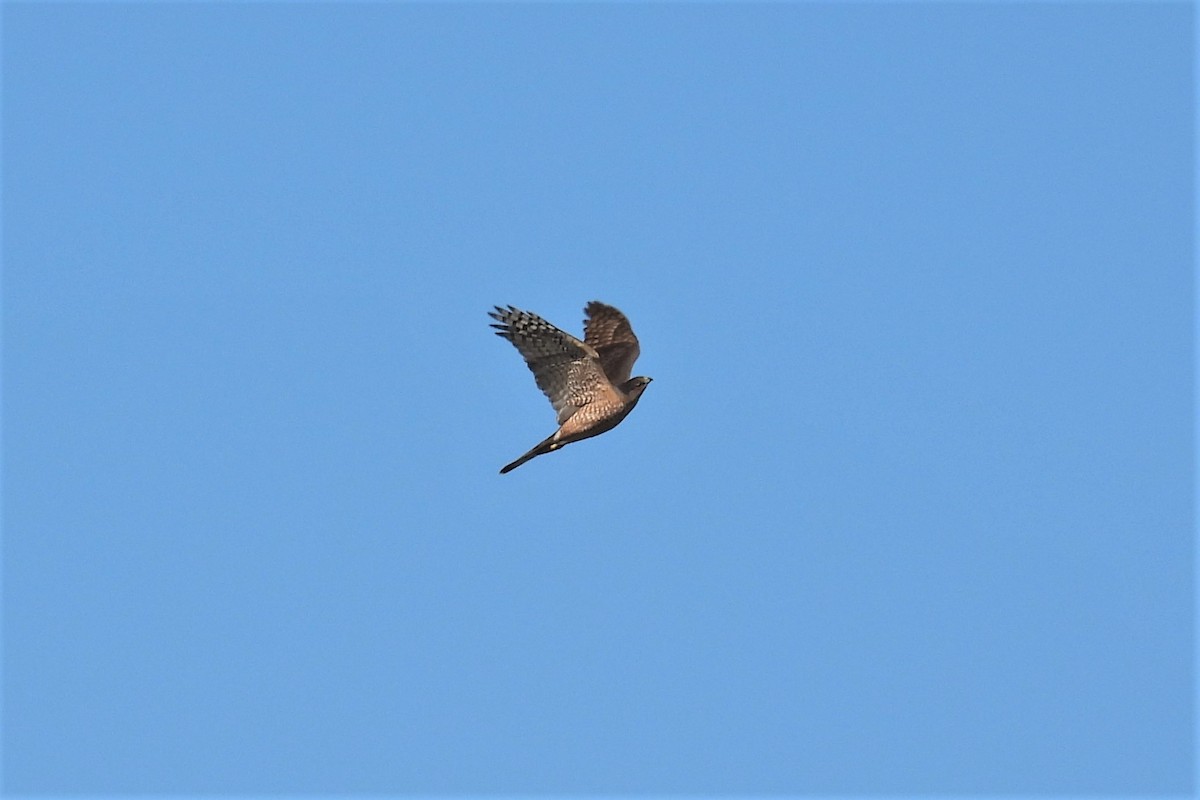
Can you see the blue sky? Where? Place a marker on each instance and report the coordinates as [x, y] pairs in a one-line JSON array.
[[907, 510]]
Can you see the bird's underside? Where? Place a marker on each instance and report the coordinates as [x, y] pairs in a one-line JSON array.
[[586, 381]]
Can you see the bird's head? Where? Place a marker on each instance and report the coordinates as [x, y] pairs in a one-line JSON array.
[[634, 387]]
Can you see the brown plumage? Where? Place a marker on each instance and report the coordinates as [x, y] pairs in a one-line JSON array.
[[587, 381]]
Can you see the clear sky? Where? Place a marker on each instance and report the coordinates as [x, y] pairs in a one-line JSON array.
[[907, 510]]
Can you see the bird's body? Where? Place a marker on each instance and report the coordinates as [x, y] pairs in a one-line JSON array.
[[587, 381]]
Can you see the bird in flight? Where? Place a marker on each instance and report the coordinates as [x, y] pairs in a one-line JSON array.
[[587, 382]]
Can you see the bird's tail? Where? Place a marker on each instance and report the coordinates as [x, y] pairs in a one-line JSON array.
[[542, 447]]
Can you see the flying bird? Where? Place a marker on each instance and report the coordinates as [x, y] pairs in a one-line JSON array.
[[587, 382]]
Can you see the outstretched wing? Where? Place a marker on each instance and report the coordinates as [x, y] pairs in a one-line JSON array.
[[608, 331], [566, 369]]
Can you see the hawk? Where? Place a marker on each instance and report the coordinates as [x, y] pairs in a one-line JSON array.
[[587, 382]]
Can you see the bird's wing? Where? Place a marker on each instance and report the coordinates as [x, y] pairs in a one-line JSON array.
[[566, 369], [608, 331]]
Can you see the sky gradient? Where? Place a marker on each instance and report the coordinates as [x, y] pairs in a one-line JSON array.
[[907, 510]]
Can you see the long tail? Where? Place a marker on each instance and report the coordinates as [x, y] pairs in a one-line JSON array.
[[541, 448]]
